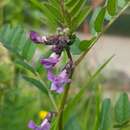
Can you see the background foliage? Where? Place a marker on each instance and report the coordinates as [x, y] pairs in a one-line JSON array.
[[20, 71]]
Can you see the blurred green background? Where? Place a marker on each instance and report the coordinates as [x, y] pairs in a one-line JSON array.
[[21, 101]]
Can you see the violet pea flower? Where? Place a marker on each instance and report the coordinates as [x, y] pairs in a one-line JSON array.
[[35, 37], [45, 125], [58, 81], [50, 62]]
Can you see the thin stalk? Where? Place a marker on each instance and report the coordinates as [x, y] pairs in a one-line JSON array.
[[66, 92], [53, 101], [62, 105], [49, 93], [101, 33]]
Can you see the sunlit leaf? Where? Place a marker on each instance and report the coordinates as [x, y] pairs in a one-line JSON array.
[[100, 20], [111, 7], [86, 44], [104, 120], [75, 47], [78, 19], [122, 109]]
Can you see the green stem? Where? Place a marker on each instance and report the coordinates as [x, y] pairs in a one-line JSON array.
[[53, 101], [62, 105], [49, 93], [64, 99], [101, 33]]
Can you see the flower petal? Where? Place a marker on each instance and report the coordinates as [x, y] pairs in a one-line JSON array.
[[53, 87], [35, 37], [32, 125], [50, 62], [51, 76], [46, 126], [60, 89]]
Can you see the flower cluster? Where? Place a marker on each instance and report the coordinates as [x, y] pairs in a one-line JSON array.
[[45, 124], [58, 43]]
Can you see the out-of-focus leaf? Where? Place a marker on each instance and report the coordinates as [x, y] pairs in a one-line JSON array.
[[100, 20], [72, 124], [49, 16], [86, 44], [104, 120], [72, 104], [56, 12], [121, 3], [111, 7], [122, 109], [76, 8], [75, 47], [92, 21], [37, 84], [55, 3], [80, 17], [69, 3], [26, 66], [28, 50], [15, 39]]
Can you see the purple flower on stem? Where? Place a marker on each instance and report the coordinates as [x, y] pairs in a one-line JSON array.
[[50, 62], [45, 125], [35, 37], [58, 81]]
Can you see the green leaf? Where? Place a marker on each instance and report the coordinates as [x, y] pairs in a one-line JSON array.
[[100, 20], [72, 124], [80, 17], [86, 44], [121, 3], [122, 109], [18, 31], [69, 3], [72, 104], [104, 120], [49, 16], [55, 3], [37, 84], [55, 11], [16, 41], [111, 7], [75, 47], [28, 50], [76, 8], [123, 125], [26, 66], [92, 21], [14, 51]]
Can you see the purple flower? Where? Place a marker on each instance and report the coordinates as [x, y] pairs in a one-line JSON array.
[[58, 81], [35, 37], [45, 125], [50, 62]]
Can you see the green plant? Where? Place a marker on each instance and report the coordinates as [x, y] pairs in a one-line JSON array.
[[69, 15]]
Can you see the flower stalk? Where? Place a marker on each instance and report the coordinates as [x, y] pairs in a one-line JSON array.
[[77, 62], [66, 92]]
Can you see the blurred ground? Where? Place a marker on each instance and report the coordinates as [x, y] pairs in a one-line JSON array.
[[117, 72], [108, 46]]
